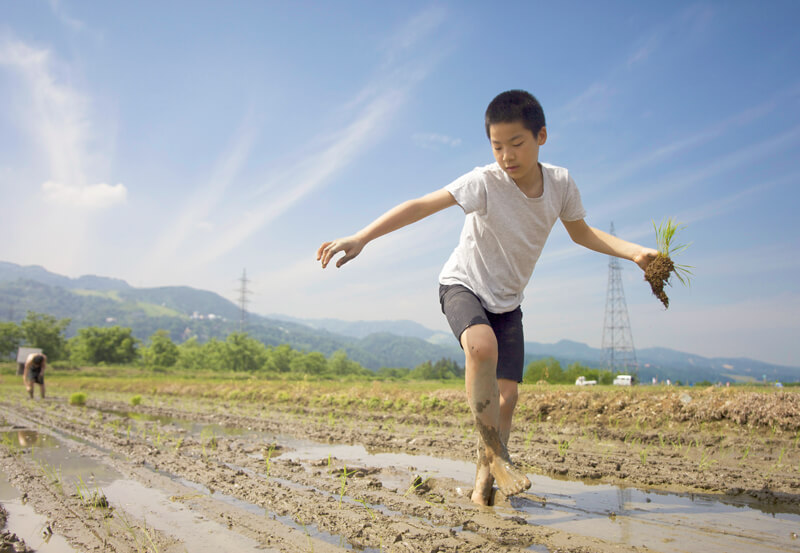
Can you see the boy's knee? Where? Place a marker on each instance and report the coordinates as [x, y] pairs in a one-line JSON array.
[[480, 343]]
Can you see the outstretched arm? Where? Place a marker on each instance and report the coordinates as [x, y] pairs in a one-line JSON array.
[[599, 241], [397, 217]]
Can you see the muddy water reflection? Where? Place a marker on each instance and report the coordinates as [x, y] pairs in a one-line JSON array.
[[310, 529], [149, 504], [175, 519], [27, 524], [662, 521], [666, 522]]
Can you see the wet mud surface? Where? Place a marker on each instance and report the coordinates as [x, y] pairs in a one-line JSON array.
[[610, 472]]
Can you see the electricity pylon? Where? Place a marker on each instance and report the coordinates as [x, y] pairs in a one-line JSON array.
[[243, 292], [619, 355]]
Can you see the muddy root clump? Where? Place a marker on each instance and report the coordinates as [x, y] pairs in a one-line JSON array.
[[657, 274]]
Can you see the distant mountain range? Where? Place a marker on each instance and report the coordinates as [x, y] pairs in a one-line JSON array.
[[187, 312]]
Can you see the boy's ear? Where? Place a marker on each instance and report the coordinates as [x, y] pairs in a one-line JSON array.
[[542, 137]]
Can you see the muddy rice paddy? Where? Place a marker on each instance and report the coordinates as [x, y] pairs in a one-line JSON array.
[[301, 469]]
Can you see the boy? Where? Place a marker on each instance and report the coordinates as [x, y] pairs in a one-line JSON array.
[[510, 208], [34, 372]]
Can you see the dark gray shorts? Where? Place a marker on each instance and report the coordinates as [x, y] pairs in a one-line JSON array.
[[463, 309], [36, 377]]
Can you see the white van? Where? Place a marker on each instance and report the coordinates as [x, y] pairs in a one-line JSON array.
[[623, 380]]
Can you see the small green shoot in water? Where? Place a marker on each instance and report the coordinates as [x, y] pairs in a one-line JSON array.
[[528, 438], [343, 479], [268, 458], [706, 461], [416, 484], [364, 503], [780, 457], [53, 475], [10, 444], [643, 455]]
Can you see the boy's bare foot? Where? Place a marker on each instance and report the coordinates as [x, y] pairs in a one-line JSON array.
[[509, 478]]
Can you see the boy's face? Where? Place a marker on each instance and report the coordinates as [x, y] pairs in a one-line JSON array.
[[516, 150]]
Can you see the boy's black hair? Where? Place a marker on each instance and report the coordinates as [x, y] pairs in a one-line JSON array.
[[37, 360], [516, 105]]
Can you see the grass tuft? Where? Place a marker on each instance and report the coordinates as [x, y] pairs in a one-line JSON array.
[[666, 232]]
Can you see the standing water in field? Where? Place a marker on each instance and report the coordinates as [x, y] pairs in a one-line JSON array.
[[667, 522], [77, 473], [320, 487]]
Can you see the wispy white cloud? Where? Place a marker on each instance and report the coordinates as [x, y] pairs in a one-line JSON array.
[[644, 232], [193, 216], [651, 43], [592, 103], [434, 141], [411, 33], [693, 176], [377, 103], [635, 163], [58, 9], [337, 155], [64, 155], [57, 116], [595, 101], [94, 196], [736, 199]]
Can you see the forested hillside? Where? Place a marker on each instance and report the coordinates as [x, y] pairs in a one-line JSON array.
[[186, 312]]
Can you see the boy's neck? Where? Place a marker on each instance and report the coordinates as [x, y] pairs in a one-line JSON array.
[[533, 185]]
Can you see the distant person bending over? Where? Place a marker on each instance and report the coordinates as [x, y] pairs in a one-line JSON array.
[[34, 372], [510, 207]]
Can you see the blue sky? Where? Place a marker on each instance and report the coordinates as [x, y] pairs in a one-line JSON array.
[[178, 143]]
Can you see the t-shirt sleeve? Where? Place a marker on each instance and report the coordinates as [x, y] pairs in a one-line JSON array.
[[469, 191], [572, 206]]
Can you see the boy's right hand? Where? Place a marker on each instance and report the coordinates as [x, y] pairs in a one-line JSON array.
[[351, 246]]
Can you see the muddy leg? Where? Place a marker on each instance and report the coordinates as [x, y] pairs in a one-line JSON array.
[[484, 481], [480, 349]]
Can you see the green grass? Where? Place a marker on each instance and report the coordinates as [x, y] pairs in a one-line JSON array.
[[109, 294], [153, 310], [78, 398], [666, 232]]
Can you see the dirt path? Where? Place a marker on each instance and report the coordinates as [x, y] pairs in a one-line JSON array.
[[254, 489]]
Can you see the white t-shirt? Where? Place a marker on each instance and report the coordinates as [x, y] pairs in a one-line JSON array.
[[505, 231]]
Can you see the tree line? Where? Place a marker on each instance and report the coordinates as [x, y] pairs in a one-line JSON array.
[[549, 370], [238, 352]]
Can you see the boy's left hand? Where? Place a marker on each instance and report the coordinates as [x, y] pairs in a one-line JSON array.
[[643, 258]]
